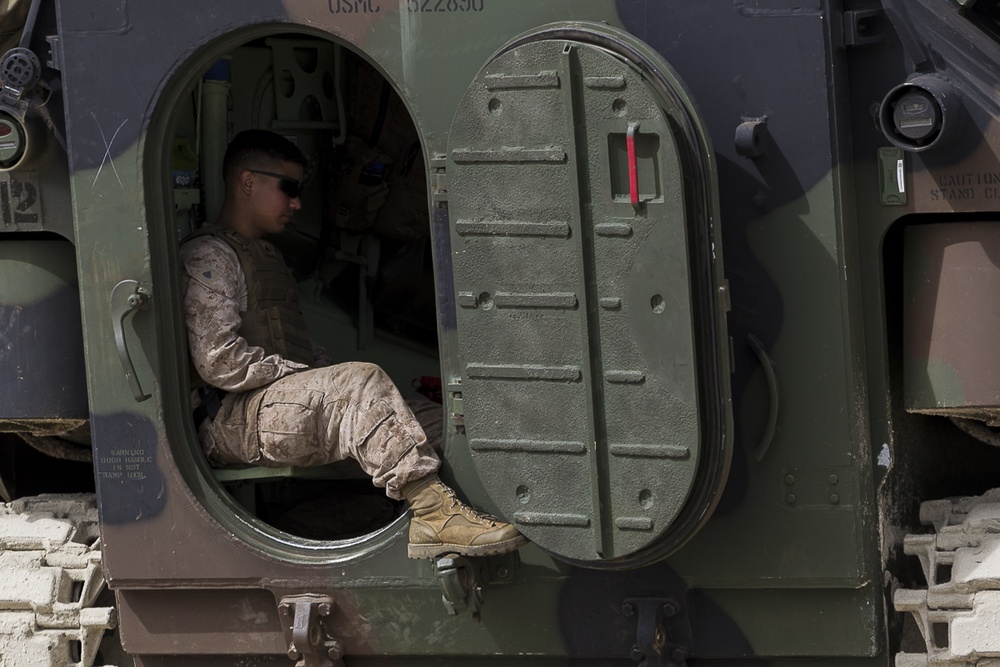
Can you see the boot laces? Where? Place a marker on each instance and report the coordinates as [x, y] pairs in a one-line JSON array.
[[468, 510]]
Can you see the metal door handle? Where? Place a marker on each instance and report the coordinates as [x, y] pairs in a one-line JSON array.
[[772, 389], [126, 298]]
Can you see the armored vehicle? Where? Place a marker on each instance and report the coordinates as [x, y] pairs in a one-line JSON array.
[[702, 296]]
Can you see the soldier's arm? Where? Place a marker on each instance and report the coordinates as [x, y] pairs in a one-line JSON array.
[[221, 356]]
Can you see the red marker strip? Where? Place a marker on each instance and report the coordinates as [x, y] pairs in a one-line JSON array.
[[633, 167]]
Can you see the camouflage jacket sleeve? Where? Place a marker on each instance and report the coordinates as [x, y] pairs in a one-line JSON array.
[[211, 286]]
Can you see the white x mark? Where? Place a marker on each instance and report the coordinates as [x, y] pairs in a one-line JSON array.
[[107, 151]]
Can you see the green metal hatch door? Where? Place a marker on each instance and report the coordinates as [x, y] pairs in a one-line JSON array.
[[573, 298]]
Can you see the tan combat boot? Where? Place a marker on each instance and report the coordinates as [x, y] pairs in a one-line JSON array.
[[443, 524]]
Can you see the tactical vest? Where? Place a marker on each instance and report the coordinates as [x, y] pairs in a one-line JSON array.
[[272, 319]]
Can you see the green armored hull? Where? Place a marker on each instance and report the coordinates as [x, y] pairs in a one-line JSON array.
[[697, 295]]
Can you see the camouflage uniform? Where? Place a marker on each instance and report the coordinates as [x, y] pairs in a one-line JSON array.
[[280, 412]]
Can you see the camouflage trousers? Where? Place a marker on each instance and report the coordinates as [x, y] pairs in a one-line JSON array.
[[320, 416]]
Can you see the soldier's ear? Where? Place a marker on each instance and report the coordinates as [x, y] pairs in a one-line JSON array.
[[246, 182]]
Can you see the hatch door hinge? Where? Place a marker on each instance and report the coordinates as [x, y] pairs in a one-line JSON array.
[[439, 179], [663, 632], [307, 625], [456, 406]]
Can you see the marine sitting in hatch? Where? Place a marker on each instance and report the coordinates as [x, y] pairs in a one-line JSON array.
[[249, 344]]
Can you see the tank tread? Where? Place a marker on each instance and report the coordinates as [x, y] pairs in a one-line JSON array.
[[958, 614], [50, 578]]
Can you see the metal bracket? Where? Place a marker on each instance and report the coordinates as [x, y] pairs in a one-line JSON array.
[[752, 137], [306, 624], [460, 588], [663, 633], [55, 52], [863, 27], [462, 579]]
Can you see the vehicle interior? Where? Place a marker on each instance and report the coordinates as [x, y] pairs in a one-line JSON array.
[[359, 247]]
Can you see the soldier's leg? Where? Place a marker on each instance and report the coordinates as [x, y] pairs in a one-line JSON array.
[[223, 436], [321, 416], [350, 410], [430, 415], [354, 410]]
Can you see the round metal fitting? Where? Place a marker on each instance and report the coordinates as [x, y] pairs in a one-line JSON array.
[[22, 140], [922, 113], [20, 68], [13, 141]]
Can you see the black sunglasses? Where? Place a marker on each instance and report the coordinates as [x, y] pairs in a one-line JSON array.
[[289, 186]]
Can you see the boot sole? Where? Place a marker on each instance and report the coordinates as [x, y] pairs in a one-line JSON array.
[[419, 551]]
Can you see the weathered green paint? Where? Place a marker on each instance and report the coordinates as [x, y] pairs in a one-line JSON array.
[[795, 562]]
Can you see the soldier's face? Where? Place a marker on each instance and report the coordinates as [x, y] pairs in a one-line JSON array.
[[275, 196]]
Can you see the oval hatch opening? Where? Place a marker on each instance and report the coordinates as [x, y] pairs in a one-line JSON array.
[[362, 262]]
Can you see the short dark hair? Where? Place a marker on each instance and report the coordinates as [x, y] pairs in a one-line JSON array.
[[257, 149]]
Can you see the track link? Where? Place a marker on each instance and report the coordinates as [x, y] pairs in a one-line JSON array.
[[50, 578], [958, 613]]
